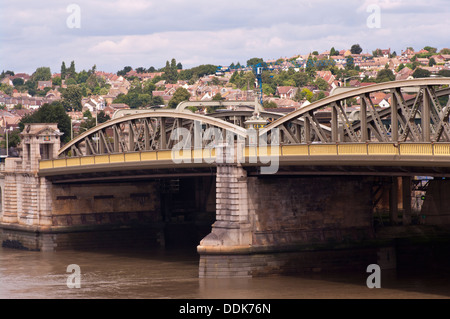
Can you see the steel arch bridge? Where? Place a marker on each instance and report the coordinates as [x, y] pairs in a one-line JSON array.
[[413, 130]]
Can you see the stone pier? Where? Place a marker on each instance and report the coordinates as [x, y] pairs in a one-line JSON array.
[[287, 224]]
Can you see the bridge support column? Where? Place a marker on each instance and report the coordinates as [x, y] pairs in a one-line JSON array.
[[27, 196], [231, 234], [393, 201]]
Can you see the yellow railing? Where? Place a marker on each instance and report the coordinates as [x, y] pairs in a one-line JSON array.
[[299, 150]]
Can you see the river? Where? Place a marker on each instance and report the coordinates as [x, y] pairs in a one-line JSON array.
[[173, 274]]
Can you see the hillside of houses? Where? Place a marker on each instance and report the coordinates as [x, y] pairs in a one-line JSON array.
[[287, 83]]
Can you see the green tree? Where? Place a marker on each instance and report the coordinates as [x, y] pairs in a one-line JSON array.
[[87, 114], [333, 52], [356, 49], [13, 138], [321, 84], [71, 98], [350, 65], [18, 82], [57, 81], [63, 70], [217, 97], [41, 74], [400, 67], [430, 49], [102, 117], [421, 73], [254, 61], [270, 105], [156, 101], [301, 79], [385, 75], [124, 71], [71, 73], [444, 73], [180, 95], [50, 113], [171, 71], [431, 62]]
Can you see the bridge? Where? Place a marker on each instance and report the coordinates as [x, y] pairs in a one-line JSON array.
[[411, 136], [272, 185]]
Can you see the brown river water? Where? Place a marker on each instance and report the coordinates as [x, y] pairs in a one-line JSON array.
[[173, 274]]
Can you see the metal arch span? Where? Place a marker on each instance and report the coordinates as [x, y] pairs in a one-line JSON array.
[[425, 105], [140, 132]]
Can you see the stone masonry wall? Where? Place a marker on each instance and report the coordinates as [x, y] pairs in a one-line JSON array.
[[95, 204], [309, 210]]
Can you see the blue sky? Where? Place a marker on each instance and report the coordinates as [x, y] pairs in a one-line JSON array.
[[144, 33]]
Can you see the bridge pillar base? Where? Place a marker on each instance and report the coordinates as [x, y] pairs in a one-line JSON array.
[[288, 224]]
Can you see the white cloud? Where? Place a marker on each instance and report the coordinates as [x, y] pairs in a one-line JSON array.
[[145, 33]]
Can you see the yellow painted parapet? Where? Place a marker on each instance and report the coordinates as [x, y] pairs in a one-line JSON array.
[[250, 153], [287, 150], [382, 149], [416, 149], [352, 149]]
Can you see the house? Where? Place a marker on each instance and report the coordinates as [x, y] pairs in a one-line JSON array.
[[404, 74], [6, 80], [286, 92], [44, 84]]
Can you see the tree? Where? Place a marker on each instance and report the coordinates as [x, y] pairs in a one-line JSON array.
[[254, 61], [350, 65], [333, 52], [63, 70], [50, 113], [431, 62], [13, 138], [124, 71], [430, 49], [157, 101], [321, 84], [301, 79], [356, 49], [18, 82], [385, 75], [180, 95], [41, 74], [421, 73], [87, 114], [102, 117], [56, 81], [377, 53], [171, 71], [400, 67], [72, 96], [71, 70], [445, 73], [270, 105], [217, 97]]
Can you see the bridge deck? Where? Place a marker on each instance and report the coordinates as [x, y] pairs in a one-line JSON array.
[[436, 155]]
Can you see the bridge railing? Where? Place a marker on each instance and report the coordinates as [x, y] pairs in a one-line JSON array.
[[367, 149], [252, 154]]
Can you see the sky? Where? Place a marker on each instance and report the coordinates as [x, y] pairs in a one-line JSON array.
[[143, 33]]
